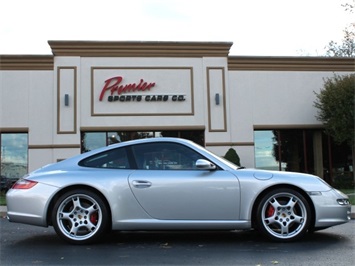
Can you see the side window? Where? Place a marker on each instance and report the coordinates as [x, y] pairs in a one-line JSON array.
[[165, 156], [113, 159]]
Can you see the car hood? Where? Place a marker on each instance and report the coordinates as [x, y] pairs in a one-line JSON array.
[[307, 182]]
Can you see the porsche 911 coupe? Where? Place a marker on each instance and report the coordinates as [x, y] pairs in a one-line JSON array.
[[170, 184]]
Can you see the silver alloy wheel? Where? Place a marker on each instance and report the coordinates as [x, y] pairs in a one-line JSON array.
[[284, 215], [79, 217]]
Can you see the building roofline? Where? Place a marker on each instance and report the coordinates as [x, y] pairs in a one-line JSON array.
[[26, 62], [174, 49], [278, 63], [139, 49]]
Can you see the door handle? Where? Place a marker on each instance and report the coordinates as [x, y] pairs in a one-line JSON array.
[[141, 183]]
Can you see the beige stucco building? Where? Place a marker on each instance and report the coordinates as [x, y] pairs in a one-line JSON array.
[[88, 93]]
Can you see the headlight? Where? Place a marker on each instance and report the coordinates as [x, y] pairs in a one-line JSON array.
[[343, 201]]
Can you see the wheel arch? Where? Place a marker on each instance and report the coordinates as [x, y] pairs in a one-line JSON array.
[[299, 190], [65, 190]]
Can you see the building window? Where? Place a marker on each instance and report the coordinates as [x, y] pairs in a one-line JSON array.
[[14, 154], [264, 150], [302, 150], [93, 140], [286, 150]]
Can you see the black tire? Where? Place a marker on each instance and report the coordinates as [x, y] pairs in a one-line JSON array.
[[283, 215], [80, 217]]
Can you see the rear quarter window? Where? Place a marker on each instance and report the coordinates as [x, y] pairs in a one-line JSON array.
[[112, 159]]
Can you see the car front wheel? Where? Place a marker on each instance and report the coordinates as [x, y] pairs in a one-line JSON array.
[[80, 217], [283, 215]]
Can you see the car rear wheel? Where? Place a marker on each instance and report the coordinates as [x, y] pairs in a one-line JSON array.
[[283, 215], [80, 217]]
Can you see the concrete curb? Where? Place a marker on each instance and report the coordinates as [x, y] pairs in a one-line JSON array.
[[3, 211]]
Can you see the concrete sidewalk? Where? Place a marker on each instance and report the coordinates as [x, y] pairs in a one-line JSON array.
[[3, 211]]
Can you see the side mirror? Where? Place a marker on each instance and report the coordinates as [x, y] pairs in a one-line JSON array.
[[205, 165]]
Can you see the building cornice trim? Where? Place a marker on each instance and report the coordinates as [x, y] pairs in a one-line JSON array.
[[253, 63], [139, 49], [26, 62]]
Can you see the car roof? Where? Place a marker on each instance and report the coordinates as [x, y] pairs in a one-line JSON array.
[[81, 156], [147, 140]]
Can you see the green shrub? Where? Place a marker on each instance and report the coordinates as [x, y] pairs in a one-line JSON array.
[[3, 198], [232, 156]]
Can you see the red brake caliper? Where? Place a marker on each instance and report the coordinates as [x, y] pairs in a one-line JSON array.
[[270, 211], [94, 217]]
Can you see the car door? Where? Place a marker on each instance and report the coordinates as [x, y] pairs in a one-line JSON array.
[[168, 185]]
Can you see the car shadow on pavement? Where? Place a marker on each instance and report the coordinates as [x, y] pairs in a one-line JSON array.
[[210, 237], [165, 239]]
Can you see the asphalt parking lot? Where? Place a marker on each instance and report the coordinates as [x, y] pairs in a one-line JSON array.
[[30, 245]]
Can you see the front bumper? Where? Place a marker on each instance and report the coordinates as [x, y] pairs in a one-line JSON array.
[[328, 211]]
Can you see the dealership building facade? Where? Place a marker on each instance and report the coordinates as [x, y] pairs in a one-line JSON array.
[[89, 94]]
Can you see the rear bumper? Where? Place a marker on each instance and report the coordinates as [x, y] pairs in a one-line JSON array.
[[29, 206]]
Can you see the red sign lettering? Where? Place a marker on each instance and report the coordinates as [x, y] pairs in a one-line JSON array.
[[114, 86]]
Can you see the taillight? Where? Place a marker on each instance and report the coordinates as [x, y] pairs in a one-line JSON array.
[[24, 184]]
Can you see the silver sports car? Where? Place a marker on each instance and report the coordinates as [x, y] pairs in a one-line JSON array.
[[170, 184]]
